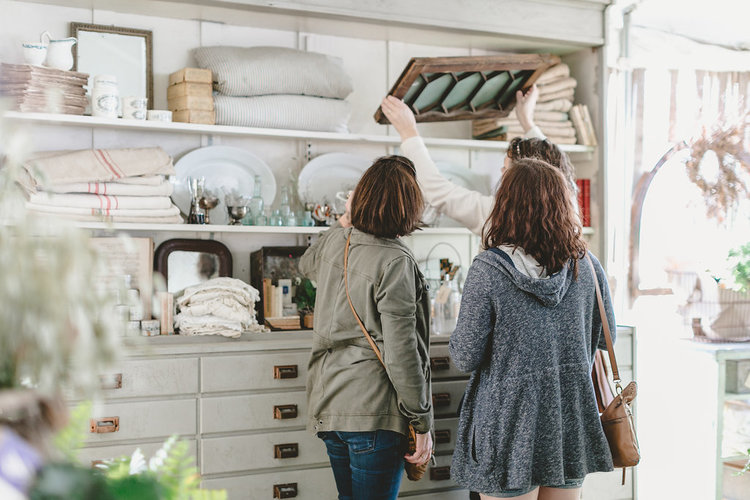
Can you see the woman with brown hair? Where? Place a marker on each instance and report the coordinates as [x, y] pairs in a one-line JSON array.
[[361, 408], [528, 329]]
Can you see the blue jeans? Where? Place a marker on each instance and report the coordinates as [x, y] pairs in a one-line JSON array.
[[366, 465]]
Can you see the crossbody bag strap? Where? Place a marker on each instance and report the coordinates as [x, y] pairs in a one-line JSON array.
[[605, 326], [349, 299]]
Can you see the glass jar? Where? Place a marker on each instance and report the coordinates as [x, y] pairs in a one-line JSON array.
[[105, 98]]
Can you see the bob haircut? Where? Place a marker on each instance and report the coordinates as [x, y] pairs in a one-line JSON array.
[[534, 211], [544, 150], [387, 201]]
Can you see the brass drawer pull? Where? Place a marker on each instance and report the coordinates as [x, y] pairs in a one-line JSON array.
[[111, 381], [442, 436], [441, 399], [440, 473], [104, 425], [288, 490], [288, 450], [282, 412], [440, 364], [285, 371]]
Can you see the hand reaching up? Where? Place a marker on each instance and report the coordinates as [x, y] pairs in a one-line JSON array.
[[400, 116], [525, 104]]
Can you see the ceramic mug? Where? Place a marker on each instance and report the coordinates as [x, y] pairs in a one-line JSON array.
[[159, 115], [34, 53], [134, 108]]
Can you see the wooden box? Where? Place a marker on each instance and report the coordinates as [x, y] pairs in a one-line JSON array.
[[196, 75], [189, 89], [273, 263], [191, 102], [194, 116]]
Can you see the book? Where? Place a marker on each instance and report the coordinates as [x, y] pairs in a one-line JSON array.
[[128, 257], [586, 212], [590, 133], [580, 127]]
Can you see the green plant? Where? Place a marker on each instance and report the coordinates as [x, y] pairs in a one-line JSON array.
[[739, 259], [304, 295]]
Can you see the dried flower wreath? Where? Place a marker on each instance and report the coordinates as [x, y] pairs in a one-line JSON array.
[[723, 193]]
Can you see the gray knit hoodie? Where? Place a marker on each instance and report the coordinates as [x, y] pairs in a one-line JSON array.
[[529, 416]]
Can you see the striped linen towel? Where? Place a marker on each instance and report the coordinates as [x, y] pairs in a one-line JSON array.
[[554, 105], [97, 165], [100, 201], [113, 188], [283, 111], [114, 212], [254, 71]]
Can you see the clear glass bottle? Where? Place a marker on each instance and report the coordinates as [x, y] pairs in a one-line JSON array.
[[446, 306], [284, 207], [256, 202]]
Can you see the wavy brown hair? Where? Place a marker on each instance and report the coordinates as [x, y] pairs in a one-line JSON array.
[[534, 210], [387, 201], [544, 150]]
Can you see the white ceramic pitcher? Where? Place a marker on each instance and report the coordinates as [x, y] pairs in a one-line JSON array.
[[59, 52]]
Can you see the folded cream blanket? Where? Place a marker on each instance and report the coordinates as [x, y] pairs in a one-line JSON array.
[[207, 325], [553, 73], [557, 86], [566, 94], [119, 219], [222, 308], [240, 290], [97, 165], [554, 105], [100, 201], [164, 188]]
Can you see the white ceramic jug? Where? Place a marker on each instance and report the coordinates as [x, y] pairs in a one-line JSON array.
[[59, 52]]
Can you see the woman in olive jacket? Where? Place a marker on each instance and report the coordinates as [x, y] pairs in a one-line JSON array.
[[358, 407]]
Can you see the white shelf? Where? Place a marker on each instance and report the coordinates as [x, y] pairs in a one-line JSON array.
[[225, 130], [217, 228]]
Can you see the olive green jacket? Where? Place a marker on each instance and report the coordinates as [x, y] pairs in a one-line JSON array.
[[347, 387]]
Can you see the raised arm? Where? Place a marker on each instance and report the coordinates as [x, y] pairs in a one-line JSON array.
[[525, 105], [470, 208]]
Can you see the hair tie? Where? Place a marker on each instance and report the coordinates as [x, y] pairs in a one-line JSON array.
[[518, 150]]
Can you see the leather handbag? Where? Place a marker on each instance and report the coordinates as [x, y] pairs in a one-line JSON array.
[[414, 472], [617, 417]]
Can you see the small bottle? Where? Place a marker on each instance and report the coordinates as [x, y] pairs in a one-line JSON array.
[[262, 218], [284, 208], [256, 202], [307, 219]]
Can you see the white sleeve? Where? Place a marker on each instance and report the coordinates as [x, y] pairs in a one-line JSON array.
[[468, 207], [534, 133]]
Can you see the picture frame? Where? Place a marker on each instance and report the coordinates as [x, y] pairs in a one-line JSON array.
[[126, 53], [441, 89], [191, 261]]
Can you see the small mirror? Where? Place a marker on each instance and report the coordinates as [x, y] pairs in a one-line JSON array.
[[185, 262], [125, 53]]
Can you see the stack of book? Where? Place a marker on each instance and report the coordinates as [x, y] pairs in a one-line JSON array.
[[44, 90], [190, 96], [584, 201]]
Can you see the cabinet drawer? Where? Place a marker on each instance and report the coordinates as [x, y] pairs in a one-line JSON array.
[[445, 434], [154, 377], [92, 454], [310, 484], [263, 411], [441, 364], [259, 451], [446, 395], [142, 420], [253, 371], [436, 477]]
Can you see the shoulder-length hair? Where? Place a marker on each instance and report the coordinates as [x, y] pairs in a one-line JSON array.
[[387, 201], [534, 210]]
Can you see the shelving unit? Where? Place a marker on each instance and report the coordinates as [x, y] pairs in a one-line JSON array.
[[224, 130]]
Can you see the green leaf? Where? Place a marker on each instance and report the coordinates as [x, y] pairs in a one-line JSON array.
[[72, 437]]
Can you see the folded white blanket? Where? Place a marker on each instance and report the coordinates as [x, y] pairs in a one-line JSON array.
[[99, 201], [96, 165], [113, 188], [283, 111], [173, 219], [207, 325], [143, 180], [122, 212], [235, 288], [220, 308], [553, 73], [557, 85], [566, 94]]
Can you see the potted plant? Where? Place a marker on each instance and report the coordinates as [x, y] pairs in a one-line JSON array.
[[304, 297]]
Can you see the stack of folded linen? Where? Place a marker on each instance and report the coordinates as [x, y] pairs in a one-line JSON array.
[[219, 306], [40, 89], [556, 90], [277, 87], [113, 185]]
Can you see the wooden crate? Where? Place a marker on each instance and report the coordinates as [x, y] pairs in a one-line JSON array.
[[191, 102], [189, 89], [194, 116]]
